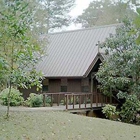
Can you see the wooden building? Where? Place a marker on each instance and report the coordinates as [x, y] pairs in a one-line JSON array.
[[72, 59]]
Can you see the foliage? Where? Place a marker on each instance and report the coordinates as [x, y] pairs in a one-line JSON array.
[[52, 14], [110, 111], [120, 72], [138, 119], [137, 23], [20, 49], [62, 102], [105, 12], [18, 45], [16, 98], [48, 100], [76, 100], [34, 100], [129, 110], [87, 100]]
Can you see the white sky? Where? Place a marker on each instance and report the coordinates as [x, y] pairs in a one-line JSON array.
[[79, 6]]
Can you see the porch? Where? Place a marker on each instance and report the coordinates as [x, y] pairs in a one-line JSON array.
[[77, 101]]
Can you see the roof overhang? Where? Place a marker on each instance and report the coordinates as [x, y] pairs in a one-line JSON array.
[[100, 57]]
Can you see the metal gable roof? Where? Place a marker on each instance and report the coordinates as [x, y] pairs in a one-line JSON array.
[[71, 53]]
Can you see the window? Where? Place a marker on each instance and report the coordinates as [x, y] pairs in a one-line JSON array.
[[45, 88], [63, 88], [85, 88]]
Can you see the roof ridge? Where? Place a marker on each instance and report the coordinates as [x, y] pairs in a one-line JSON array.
[[84, 29]]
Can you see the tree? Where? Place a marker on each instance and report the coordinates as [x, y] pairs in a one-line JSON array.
[[120, 73], [20, 50], [53, 13], [137, 23], [104, 12]]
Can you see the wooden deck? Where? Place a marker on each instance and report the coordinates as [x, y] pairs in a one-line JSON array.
[[76, 107], [77, 101]]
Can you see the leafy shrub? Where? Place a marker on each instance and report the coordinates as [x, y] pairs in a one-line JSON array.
[[34, 100], [62, 102], [138, 119], [48, 101], [87, 101], [110, 112], [16, 98], [76, 100], [130, 109]]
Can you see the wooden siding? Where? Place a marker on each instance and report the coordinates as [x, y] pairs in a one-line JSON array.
[[54, 85], [26, 92], [74, 85], [64, 82]]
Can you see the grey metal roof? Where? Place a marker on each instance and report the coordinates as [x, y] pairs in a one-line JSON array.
[[71, 53]]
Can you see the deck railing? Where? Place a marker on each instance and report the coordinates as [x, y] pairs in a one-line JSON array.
[[77, 100]]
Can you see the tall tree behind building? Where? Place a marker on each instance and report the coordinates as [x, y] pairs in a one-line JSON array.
[[105, 12], [53, 14]]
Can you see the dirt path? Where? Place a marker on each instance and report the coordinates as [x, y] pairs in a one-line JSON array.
[[21, 108]]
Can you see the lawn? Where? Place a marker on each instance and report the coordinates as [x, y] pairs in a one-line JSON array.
[[58, 125]]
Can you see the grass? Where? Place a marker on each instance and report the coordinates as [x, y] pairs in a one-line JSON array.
[[54, 125]]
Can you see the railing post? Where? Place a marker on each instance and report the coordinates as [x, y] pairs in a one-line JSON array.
[[91, 100], [73, 100], [44, 101], [66, 96], [79, 101], [110, 99], [51, 99], [85, 100], [106, 99], [101, 96], [58, 99], [96, 99]]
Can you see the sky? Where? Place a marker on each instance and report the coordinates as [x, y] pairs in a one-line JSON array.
[[79, 6]]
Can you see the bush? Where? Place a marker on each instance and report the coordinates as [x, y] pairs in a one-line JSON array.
[[76, 100], [48, 101], [87, 101], [110, 112], [16, 98], [130, 109], [34, 100], [62, 102]]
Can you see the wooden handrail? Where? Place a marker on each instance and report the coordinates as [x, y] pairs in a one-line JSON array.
[[82, 98]]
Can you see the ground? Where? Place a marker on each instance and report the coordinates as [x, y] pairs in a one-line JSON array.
[[45, 124]]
